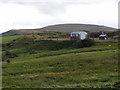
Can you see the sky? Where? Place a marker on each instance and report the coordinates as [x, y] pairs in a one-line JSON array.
[[19, 14]]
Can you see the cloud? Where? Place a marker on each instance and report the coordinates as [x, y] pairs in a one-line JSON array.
[[46, 7], [50, 8], [119, 15], [33, 2], [39, 13], [54, 6]]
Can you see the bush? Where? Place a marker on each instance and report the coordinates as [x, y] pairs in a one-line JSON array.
[[88, 42], [57, 45], [78, 44], [19, 43], [8, 61], [66, 43], [32, 52], [10, 54], [7, 55]]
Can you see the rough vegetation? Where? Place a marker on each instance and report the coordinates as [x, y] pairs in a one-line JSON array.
[[60, 63]]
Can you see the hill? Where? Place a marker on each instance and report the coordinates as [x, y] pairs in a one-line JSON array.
[[89, 67], [62, 28], [77, 27], [20, 32]]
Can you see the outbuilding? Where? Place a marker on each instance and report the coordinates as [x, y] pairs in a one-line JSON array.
[[79, 35], [103, 36]]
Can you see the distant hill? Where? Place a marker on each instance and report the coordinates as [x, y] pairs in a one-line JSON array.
[[77, 27], [62, 28], [20, 32]]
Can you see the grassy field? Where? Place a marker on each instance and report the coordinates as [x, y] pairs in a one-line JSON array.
[[89, 67], [7, 39]]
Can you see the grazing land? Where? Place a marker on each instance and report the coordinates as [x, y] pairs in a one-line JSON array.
[[95, 66], [8, 39]]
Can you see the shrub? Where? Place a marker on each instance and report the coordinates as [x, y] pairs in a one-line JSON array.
[[32, 52], [78, 44], [8, 54], [19, 43], [57, 45], [88, 42], [66, 43], [8, 61]]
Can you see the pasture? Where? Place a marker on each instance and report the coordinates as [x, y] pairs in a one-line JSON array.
[[89, 67], [8, 39]]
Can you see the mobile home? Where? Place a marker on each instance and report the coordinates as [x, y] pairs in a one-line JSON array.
[[79, 35]]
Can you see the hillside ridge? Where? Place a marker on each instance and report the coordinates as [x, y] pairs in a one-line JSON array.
[[61, 28]]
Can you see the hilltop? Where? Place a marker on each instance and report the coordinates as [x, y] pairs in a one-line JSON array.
[[77, 27], [62, 28]]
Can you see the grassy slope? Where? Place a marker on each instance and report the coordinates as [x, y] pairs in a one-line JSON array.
[[8, 39], [95, 66]]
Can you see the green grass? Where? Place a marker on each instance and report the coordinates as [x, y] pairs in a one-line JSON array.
[[108, 46], [7, 39], [100, 46], [90, 67], [94, 69]]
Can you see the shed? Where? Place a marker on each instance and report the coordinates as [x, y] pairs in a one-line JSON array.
[[79, 35], [103, 36]]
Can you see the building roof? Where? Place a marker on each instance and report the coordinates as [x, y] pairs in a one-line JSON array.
[[103, 35], [81, 32]]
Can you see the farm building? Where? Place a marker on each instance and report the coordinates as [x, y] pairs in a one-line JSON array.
[[103, 36], [79, 35]]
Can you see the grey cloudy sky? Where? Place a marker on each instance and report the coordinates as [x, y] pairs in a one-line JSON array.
[[17, 14]]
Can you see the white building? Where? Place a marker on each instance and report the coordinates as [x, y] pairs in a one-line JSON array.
[[103, 36], [79, 35]]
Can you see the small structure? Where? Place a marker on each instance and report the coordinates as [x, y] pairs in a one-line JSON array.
[[103, 36], [79, 35]]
